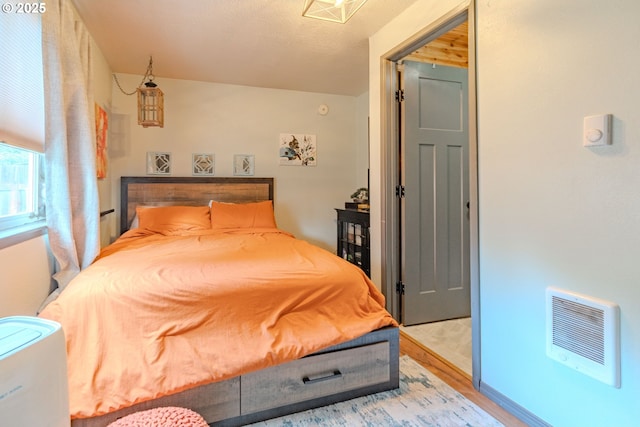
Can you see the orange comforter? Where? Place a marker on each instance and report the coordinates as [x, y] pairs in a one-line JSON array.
[[155, 315]]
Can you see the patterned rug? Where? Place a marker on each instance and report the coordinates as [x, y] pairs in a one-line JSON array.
[[422, 400]]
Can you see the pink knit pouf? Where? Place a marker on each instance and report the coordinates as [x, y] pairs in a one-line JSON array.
[[169, 416]]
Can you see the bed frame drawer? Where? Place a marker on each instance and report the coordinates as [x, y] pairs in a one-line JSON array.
[[367, 364], [216, 401], [314, 377]]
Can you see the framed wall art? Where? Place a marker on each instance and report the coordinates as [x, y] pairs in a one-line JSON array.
[[158, 163], [297, 149], [102, 125], [202, 164], [243, 164]]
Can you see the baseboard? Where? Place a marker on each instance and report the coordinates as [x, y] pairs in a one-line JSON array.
[[435, 355], [512, 407]]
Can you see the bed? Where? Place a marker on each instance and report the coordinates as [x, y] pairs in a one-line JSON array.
[[219, 311]]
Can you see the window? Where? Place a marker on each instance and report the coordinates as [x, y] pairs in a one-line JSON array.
[[21, 125], [21, 184]]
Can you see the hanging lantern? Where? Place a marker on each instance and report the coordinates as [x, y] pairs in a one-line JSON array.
[[150, 105], [150, 99]]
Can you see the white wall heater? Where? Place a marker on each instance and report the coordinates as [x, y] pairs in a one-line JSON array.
[[584, 334]]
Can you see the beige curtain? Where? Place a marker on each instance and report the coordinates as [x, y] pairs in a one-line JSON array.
[[73, 216]]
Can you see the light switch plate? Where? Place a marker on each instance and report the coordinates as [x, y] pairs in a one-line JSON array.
[[596, 130]]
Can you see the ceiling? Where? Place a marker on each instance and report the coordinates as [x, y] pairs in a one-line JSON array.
[[264, 43], [451, 49]]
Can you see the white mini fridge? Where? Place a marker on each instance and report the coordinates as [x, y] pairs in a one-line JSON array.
[[34, 389]]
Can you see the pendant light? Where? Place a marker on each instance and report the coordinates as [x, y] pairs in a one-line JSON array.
[[332, 10], [150, 99]]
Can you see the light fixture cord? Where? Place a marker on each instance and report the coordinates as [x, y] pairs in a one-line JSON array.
[[148, 73]]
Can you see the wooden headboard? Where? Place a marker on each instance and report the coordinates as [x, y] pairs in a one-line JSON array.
[[187, 191]]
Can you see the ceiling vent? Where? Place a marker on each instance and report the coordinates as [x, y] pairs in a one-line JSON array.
[[584, 334]]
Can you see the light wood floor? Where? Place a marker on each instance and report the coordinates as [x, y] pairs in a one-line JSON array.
[[451, 339], [455, 377]]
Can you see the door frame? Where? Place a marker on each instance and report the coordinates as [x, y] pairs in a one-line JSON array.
[[390, 170]]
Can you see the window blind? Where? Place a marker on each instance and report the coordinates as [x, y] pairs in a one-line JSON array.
[[21, 81]]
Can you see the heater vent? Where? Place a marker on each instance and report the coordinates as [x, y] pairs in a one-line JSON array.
[[583, 333], [578, 328]]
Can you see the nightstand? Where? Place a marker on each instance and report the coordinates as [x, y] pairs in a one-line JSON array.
[[353, 237]]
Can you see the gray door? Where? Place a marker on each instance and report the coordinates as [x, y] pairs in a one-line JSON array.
[[435, 206]]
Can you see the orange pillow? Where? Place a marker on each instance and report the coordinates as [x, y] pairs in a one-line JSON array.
[[242, 215], [170, 219]]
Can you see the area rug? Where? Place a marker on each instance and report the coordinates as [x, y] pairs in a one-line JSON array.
[[421, 400]]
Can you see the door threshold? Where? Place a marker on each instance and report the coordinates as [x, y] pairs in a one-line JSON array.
[[432, 354]]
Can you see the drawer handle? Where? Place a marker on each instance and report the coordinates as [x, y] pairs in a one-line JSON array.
[[334, 375]]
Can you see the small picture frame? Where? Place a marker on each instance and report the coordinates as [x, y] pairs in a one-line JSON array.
[[243, 164], [202, 164], [298, 149], [158, 163]]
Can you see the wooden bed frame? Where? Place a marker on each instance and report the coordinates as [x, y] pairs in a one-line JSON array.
[[187, 191], [365, 365]]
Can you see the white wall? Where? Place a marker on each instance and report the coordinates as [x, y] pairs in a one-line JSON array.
[[26, 277], [102, 84], [551, 211], [226, 120]]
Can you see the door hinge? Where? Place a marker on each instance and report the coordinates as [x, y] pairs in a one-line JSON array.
[[400, 95], [400, 191], [400, 288]]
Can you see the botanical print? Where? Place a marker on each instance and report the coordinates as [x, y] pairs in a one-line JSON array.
[[202, 164], [297, 149], [243, 164], [101, 142]]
